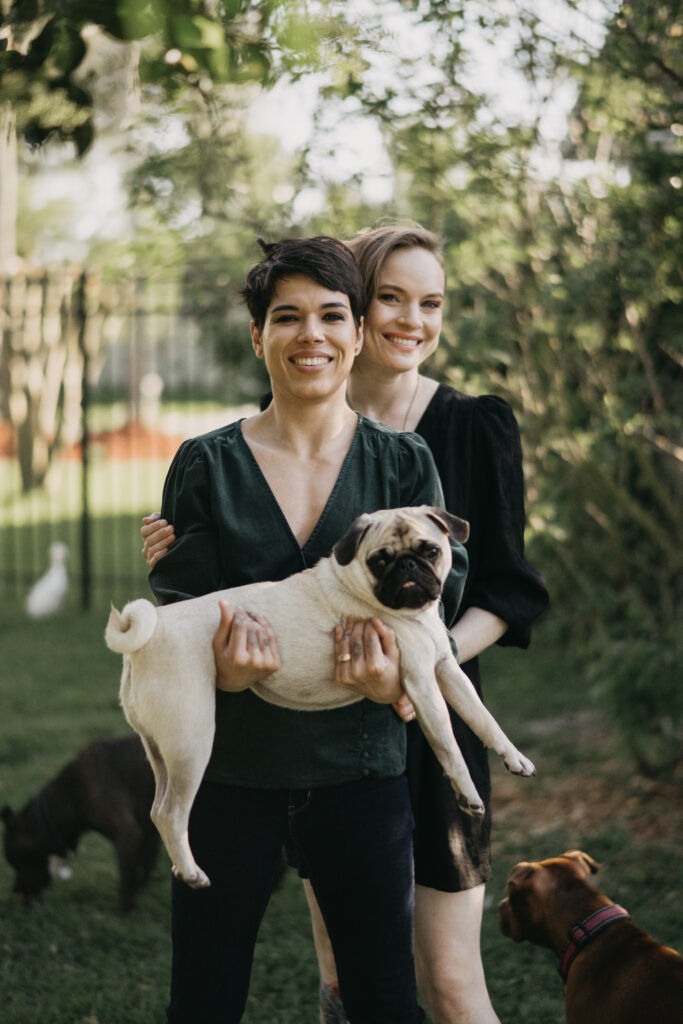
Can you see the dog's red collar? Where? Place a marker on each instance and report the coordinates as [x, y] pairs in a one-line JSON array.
[[585, 931]]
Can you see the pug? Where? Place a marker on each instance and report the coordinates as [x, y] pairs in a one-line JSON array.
[[391, 563]]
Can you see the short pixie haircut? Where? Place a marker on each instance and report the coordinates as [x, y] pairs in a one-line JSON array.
[[327, 261], [373, 246]]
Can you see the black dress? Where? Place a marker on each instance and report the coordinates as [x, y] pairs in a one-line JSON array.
[[476, 446]]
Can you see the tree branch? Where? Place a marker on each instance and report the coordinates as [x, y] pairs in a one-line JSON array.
[[644, 46]]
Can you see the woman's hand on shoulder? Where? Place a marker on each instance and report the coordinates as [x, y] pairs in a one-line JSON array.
[[157, 536], [245, 649], [367, 660]]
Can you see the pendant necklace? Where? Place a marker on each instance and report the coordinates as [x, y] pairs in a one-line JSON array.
[[411, 403]]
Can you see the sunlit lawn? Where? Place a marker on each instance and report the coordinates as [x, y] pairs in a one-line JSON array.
[[73, 960], [120, 493]]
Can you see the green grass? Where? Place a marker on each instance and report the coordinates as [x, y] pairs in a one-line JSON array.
[[72, 959], [120, 493], [586, 796], [117, 569]]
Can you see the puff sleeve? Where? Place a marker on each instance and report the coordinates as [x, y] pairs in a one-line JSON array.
[[504, 583], [191, 567]]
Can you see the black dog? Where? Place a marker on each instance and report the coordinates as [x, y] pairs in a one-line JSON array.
[[107, 788]]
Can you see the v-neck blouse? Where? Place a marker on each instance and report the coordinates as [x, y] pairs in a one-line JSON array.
[[231, 531]]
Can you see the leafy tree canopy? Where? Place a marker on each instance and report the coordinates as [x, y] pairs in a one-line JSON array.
[[181, 43]]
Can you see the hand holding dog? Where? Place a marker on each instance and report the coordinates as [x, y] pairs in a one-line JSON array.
[[372, 671], [245, 649], [157, 535], [168, 682], [368, 661]]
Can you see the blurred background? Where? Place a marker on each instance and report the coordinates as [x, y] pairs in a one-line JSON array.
[[144, 146]]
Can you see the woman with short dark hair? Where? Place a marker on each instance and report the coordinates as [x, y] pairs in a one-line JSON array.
[[261, 499]]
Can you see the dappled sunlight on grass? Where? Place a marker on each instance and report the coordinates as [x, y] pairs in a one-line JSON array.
[[72, 957]]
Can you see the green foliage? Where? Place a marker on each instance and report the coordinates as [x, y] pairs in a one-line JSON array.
[[40, 87], [609, 444], [565, 297], [564, 285], [187, 44], [641, 680], [184, 46], [200, 207]]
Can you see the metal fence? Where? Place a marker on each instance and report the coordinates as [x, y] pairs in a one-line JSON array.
[[99, 383]]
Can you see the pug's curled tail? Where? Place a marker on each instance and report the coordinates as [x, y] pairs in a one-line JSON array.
[[130, 629]]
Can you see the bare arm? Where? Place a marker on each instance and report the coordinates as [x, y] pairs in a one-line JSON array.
[[373, 669], [475, 631]]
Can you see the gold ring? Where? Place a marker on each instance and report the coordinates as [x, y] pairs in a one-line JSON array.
[[344, 657]]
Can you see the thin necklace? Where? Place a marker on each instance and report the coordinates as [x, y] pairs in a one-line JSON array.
[[410, 405]]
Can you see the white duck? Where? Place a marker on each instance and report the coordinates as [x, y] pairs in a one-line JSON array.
[[48, 594]]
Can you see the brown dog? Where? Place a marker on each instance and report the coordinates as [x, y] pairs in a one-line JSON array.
[[107, 788], [614, 973]]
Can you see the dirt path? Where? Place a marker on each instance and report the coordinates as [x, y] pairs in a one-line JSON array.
[[600, 788]]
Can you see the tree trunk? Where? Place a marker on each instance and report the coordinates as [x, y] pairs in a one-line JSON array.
[[8, 191]]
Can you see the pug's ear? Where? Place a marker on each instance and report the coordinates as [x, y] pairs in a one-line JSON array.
[[454, 526], [346, 547]]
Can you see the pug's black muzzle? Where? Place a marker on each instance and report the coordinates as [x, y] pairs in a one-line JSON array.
[[408, 582]]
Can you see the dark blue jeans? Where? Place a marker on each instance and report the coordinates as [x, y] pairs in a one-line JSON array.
[[354, 842]]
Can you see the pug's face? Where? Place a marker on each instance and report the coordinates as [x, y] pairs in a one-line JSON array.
[[403, 555]]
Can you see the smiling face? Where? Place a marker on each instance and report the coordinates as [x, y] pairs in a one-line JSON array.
[[309, 339], [403, 320]]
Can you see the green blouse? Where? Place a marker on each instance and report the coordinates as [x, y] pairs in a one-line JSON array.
[[231, 531]]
